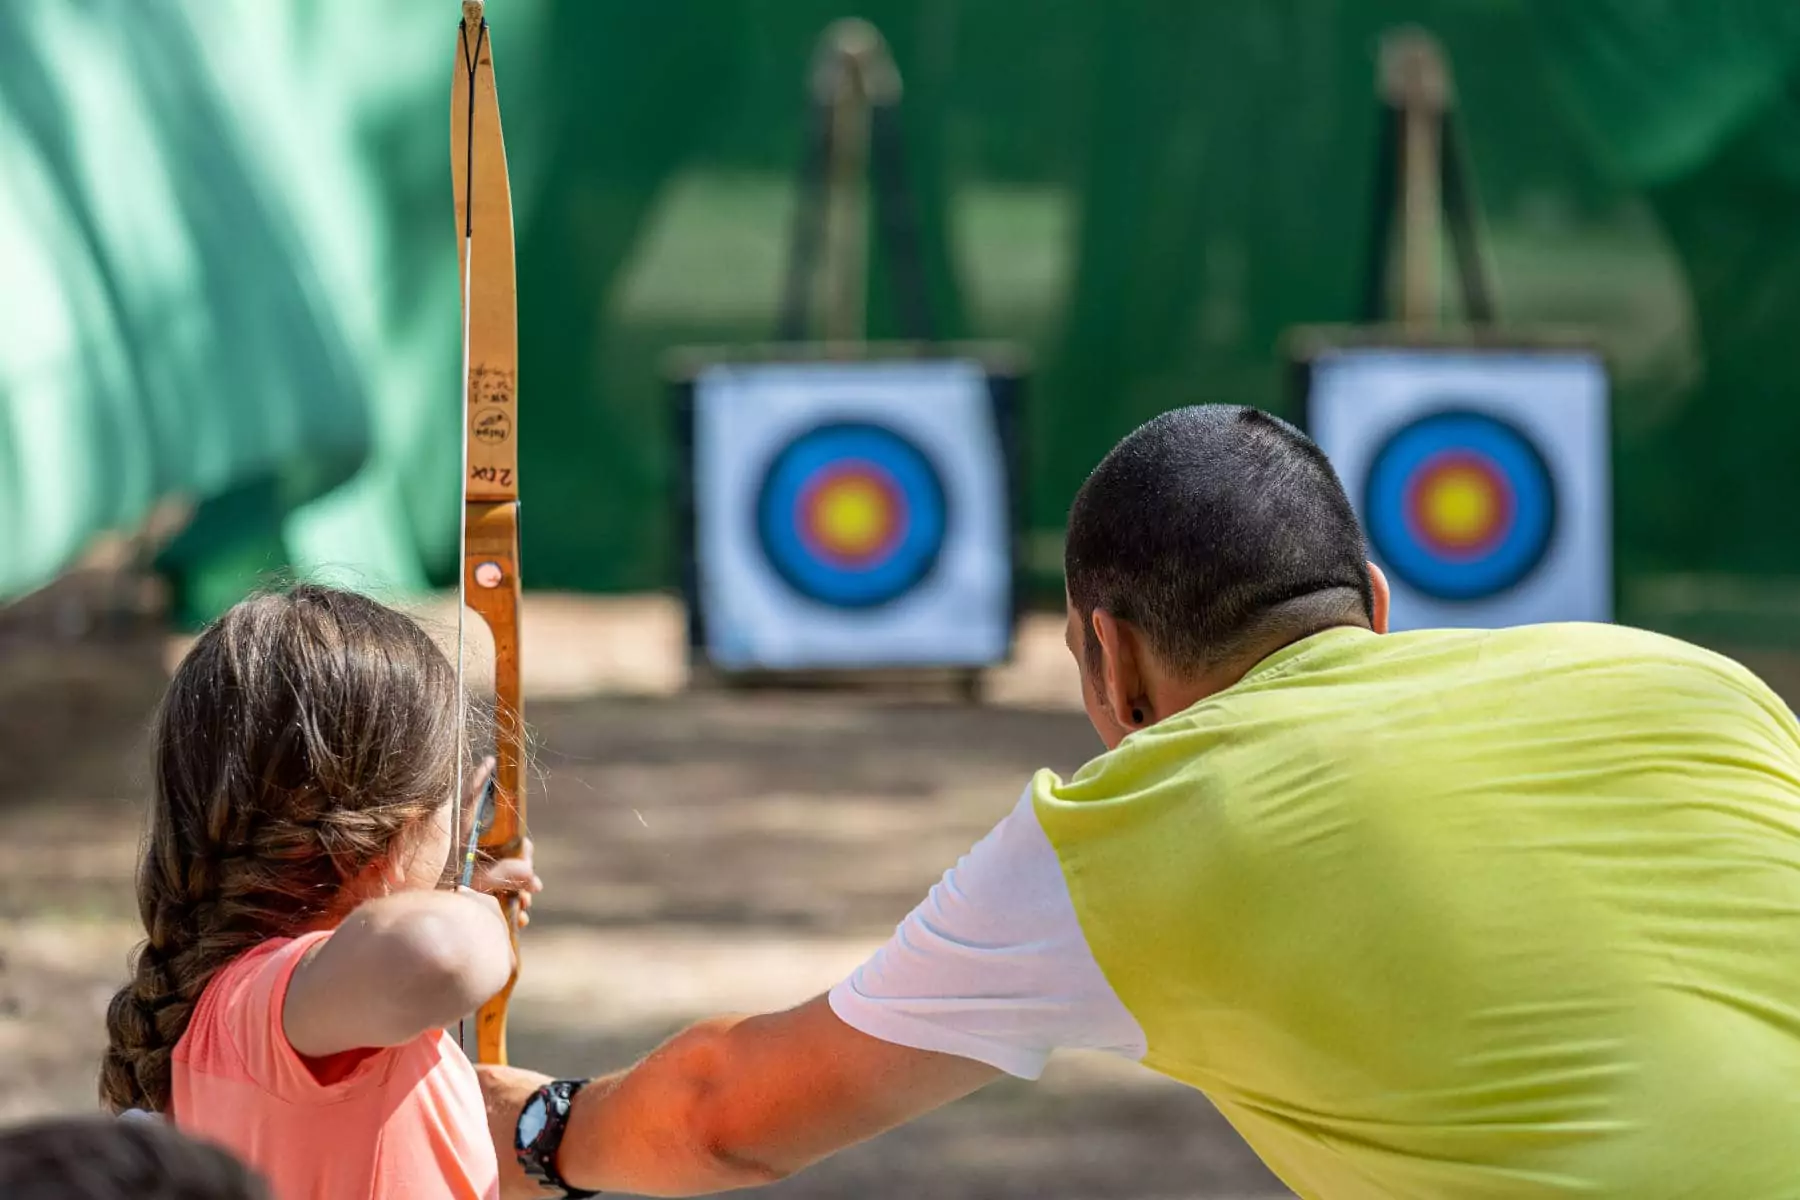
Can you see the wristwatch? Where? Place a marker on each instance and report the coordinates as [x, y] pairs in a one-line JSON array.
[[540, 1132]]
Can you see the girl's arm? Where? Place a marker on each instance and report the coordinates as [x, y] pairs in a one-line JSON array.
[[397, 967]]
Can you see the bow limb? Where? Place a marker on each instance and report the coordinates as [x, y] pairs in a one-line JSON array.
[[490, 558]]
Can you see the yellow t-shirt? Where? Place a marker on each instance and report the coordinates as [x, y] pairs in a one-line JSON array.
[[1464, 914]]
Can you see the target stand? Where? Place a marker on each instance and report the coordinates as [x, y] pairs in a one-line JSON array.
[[1478, 461], [849, 517], [849, 510]]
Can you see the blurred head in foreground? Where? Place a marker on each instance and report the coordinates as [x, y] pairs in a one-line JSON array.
[[99, 1158], [1205, 540]]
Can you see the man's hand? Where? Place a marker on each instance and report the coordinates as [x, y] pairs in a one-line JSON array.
[[505, 1090]]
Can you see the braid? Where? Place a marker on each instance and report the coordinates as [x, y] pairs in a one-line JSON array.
[[185, 894], [190, 940], [302, 737], [135, 1070]]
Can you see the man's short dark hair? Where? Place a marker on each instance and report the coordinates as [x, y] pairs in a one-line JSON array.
[[1212, 529], [104, 1158]]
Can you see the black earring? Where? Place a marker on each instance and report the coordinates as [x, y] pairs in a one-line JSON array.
[[1137, 716]]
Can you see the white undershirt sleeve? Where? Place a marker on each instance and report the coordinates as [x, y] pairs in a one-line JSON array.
[[992, 965]]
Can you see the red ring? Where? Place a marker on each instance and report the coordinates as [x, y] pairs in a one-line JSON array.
[[1442, 463]]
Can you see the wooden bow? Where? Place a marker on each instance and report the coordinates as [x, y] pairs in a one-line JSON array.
[[490, 537]]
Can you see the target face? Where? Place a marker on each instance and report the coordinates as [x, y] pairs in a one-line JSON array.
[[851, 515], [1460, 505]]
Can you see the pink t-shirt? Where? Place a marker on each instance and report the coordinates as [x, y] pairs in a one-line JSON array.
[[405, 1121]]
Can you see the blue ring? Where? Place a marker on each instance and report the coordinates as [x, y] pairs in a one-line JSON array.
[[1520, 548], [778, 516]]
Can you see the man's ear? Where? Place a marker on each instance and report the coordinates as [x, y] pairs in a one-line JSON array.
[[1378, 586], [1120, 678]]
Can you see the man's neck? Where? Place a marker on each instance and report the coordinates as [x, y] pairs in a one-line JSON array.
[[1175, 695]]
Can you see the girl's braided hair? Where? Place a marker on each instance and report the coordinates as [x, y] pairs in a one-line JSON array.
[[303, 735]]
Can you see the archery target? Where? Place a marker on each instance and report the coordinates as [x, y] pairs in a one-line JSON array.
[[1460, 504], [850, 515], [1481, 479]]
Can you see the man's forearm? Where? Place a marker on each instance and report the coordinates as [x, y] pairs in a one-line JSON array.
[[664, 1127], [733, 1102]]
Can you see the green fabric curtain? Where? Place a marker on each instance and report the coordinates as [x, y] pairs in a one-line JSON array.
[[221, 285], [234, 278]]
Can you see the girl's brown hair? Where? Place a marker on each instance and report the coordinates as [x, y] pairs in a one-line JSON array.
[[303, 734]]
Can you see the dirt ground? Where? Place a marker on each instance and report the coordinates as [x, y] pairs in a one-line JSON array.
[[703, 852]]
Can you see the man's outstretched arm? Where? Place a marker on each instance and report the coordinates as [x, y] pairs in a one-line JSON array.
[[734, 1102], [990, 973]]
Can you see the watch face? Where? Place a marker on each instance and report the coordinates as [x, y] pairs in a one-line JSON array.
[[532, 1119]]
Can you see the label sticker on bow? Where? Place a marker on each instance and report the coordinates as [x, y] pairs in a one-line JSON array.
[[489, 575], [491, 426]]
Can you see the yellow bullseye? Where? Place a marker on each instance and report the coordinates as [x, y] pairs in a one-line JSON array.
[[1460, 506], [853, 517]]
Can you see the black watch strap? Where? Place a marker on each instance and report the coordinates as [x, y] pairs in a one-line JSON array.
[[539, 1157]]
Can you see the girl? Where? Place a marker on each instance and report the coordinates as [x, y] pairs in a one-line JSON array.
[[304, 954]]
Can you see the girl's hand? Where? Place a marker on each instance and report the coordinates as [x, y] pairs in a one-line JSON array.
[[506, 877]]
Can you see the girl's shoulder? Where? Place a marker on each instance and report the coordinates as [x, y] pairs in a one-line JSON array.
[[260, 975], [236, 1027]]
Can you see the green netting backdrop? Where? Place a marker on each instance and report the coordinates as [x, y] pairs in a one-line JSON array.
[[238, 272]]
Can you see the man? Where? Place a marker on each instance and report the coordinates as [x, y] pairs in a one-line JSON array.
[[1450, 914]]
